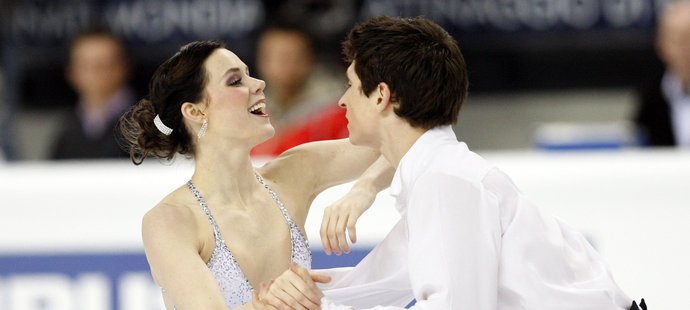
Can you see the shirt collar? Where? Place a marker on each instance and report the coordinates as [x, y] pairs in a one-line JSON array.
[[95, 122], [673, 90], [417, 158]]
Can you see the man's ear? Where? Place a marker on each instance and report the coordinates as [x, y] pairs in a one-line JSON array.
[[383, 96], [192, 112]]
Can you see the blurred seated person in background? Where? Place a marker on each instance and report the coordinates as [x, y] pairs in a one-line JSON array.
[[302, 94], [664, 113], [98, 71], [3, 110]]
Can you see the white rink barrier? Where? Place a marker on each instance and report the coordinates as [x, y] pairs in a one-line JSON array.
[[70, 231]]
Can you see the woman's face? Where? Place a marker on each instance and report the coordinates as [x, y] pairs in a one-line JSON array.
[[236, 106]]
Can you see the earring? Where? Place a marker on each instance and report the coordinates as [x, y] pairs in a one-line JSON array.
[[202, 130]]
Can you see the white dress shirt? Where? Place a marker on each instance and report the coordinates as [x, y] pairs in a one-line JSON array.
[[469, 239]]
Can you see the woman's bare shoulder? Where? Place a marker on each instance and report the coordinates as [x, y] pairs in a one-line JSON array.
[[291, 169], [171, 229], [173, 215]]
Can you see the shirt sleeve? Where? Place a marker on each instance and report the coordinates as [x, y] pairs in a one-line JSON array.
[[454, 245], [381, 278]]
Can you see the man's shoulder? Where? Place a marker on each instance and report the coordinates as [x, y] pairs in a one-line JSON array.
[[457, 160]]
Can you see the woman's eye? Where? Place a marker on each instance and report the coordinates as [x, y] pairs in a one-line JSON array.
[[234, 82]]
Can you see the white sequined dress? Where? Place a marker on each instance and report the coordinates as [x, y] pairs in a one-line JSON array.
[[233, 284]]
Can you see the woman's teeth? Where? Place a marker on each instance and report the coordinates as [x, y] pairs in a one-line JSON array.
[[258, 108]]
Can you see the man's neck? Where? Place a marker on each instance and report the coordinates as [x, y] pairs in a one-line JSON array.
[[396, 139]]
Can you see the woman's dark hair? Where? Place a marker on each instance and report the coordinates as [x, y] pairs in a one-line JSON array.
[[179, 79], [421, 63]]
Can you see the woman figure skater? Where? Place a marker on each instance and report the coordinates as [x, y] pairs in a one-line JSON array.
[[212, 241]]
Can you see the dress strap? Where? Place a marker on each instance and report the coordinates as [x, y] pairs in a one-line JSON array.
[[301, 252], [202, 203], [276, 199]]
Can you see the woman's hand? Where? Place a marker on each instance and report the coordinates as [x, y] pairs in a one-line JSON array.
[[256, 304], [342, 215], [293, 289]]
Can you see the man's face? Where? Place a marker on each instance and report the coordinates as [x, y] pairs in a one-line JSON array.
[[361, 112], [97, 68], [674, 41], [284, 60]]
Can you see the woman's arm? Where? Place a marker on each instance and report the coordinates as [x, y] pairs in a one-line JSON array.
[[310, 168], [320, 165], [170, 240], [343, 214]]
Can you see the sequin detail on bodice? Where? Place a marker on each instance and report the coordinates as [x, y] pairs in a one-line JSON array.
[[233, 284]]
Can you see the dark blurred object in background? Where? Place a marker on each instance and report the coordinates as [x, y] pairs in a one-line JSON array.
[[98, 70], [508, 45], [35, 47], [543, 45], [663, 116]]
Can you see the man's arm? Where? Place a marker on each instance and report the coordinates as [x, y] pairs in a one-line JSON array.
[[449, 251], [453, 230], [455, 240], [343, 214]]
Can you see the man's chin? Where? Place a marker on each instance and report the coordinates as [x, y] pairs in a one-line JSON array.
[[358, 141], [353, 140]]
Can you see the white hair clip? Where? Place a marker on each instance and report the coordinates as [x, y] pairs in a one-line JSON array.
[[161, 127]]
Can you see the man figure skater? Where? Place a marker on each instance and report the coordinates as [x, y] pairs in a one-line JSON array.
[[467, 237]]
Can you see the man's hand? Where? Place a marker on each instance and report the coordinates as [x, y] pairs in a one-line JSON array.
[[294, 289], [342, 215]]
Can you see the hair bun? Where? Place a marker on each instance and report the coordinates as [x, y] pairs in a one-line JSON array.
[[139, 136]]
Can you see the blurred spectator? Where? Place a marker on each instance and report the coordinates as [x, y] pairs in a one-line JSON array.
[[664, 113], [98, 71], [3, 116], [327, 20], [301, 94]]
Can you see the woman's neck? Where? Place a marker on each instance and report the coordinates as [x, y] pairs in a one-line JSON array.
[[225, 175]]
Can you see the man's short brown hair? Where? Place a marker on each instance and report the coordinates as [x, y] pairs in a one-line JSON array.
[[419, 61]]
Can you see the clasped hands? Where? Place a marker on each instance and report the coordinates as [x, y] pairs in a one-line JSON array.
[[295, 288]]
